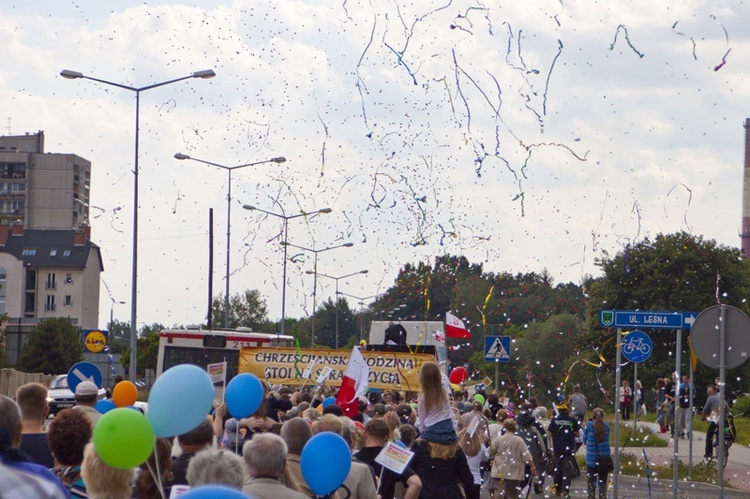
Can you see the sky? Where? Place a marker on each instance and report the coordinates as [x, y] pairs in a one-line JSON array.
[[543, 134]]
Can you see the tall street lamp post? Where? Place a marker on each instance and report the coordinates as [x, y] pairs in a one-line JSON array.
[[285, 243], [337, 279], [315, 278], [72, 75], [361, 303], [229, 170]]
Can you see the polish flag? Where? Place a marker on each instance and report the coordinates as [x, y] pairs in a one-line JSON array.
[[354, 384], [454, 327]]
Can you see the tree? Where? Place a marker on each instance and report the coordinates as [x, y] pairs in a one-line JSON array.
[[246, 309], [147, 350], [678, 272], [119, 336], [53, 347], [325, 323]]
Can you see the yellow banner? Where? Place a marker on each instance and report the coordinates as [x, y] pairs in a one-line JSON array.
[[284, 366]]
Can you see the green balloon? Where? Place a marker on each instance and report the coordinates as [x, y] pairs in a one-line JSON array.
[[480, 398], [123, 438]]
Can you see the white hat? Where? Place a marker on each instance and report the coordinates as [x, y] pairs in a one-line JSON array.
[[86, 389]]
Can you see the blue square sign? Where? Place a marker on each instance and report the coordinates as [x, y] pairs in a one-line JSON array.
[[497, 348]]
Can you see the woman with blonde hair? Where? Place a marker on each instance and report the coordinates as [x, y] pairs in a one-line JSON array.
[[596, 438], [472, 442], [102, 480]]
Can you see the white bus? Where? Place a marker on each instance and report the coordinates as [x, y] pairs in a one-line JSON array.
[[195, 346]]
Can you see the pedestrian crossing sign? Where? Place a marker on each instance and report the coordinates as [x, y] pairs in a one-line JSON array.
[[497, 348]]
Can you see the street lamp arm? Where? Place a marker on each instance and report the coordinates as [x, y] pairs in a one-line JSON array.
[[71, 75], [311, 250], [278, 160], [343, 276], [286, 217]]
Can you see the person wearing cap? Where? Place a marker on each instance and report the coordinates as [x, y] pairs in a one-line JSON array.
[[563, 429], [87, 395]]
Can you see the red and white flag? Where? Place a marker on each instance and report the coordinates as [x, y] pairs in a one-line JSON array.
[[354, 384], [454, 327]]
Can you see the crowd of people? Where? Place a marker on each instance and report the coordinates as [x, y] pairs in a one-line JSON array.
[[461, 444]]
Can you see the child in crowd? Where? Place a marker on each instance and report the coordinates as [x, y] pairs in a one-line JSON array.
[[435, 417]]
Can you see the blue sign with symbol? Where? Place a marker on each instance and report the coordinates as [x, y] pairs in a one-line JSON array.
[[646, 319], [497, 348], [637, 346], [84, 371]]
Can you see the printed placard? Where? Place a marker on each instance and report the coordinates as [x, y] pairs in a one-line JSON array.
[[308, 370], [217, 372], [394, 457], [323, 375]]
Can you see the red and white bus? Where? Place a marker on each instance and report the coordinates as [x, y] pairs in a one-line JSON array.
[[196, 346]]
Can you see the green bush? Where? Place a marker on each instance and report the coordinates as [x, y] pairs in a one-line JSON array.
[[741, 407]]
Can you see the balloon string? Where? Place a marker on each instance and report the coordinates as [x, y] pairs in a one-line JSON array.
[[157, 474]]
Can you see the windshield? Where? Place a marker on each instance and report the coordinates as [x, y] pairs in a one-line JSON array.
[[61, 382]]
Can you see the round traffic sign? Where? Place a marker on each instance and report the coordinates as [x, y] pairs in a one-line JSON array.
[[637, 346], [705, 336], [84, 371]]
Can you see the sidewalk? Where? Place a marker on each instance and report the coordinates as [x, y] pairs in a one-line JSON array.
[[736, 471]]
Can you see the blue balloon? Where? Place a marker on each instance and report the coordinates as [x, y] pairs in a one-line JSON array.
[[180, 400], [213, 492], [243, 395], [328, 401], [325, 462], [104, 406], [400, 444]]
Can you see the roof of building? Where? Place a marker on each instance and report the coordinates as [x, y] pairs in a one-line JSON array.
[[50, 248]]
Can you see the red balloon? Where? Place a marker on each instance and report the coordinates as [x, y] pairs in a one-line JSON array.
[[458, 375]]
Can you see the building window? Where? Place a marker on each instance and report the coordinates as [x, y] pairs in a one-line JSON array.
[[66, 253], [28, 251], [68, 301], [51, 283], [30, 279], [68, 278], [53, 252], [49, 306], [30, 306]]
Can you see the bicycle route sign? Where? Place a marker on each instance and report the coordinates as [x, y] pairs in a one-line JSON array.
[[637, 346], [646, 319]]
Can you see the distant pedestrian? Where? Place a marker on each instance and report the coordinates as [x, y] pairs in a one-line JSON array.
[[683, 416], [578, 404], [626, 398], [711, 414]]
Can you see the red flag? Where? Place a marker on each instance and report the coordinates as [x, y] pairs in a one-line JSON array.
[[454, 327], [354, 384]]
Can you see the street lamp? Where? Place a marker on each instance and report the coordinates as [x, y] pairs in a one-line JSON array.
[[72, 75], [285, 243], [361, 303], [112, 310], [337, 296], [229, 169], [315, 278]]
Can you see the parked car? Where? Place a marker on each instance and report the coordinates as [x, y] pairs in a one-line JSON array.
[[60, 397]]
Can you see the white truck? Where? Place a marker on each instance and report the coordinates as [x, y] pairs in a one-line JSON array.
[[417, 333]]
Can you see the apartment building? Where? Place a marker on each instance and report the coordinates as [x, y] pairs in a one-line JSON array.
[[42, 190]]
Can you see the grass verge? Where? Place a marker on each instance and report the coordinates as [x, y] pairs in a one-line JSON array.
[[641, 437]]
